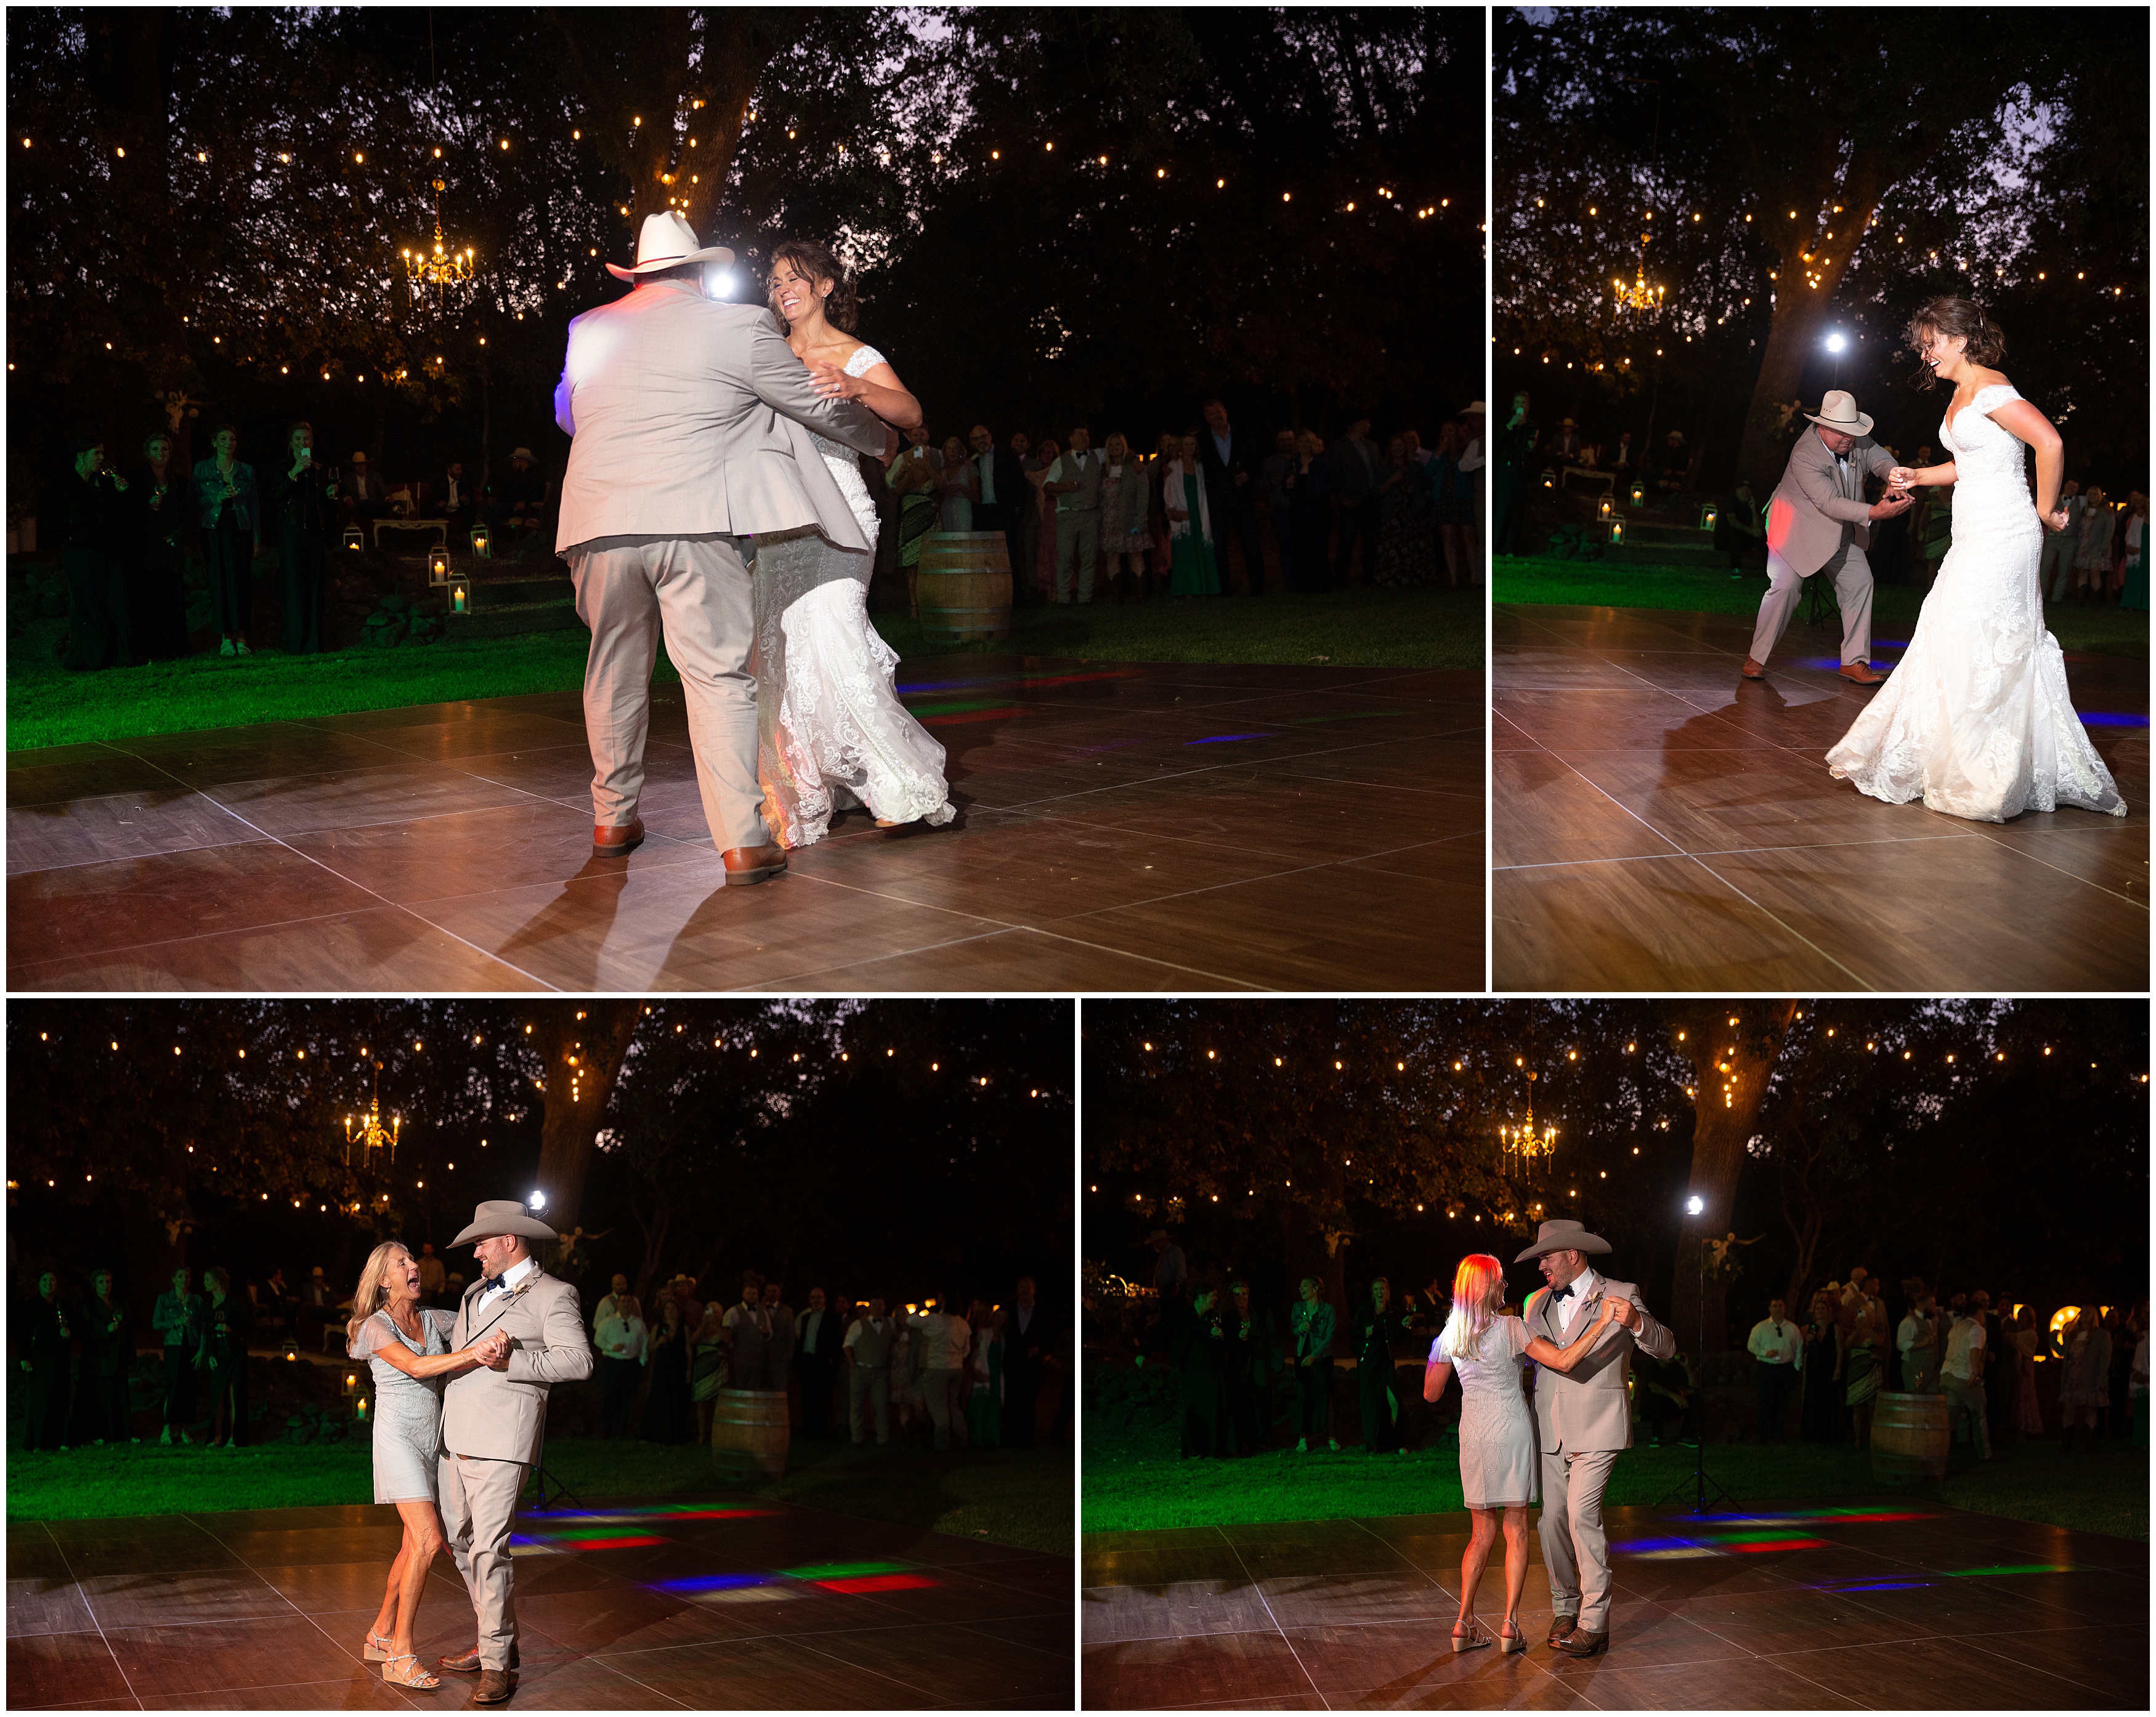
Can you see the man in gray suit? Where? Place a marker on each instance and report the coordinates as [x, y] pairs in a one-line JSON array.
[[690, 420], [1818, 522], [1582, 1417], [494, 1418]]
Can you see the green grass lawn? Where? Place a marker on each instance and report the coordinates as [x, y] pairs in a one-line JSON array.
[[48, 705], [1134, 1480], [1021, 1497], [2105, 631]]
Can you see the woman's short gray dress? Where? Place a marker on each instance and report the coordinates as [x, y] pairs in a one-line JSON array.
[[1497, 1460], [408, 1410]]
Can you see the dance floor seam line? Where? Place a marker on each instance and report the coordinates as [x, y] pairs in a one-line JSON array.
[[1705, 852], [1303, 1669], [308, 857], [2030, 852], [118, 1668]]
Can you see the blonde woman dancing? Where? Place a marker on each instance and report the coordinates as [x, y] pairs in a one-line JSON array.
[[406, 1346]]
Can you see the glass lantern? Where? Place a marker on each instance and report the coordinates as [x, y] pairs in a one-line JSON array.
[[460, 594], [437, 567], [355, 538], [1605, 507], [1639, 495], [482, 542], [1617, 531], [1707, 514]]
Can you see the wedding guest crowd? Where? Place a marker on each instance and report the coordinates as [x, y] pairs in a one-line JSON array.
[[1195, 517]]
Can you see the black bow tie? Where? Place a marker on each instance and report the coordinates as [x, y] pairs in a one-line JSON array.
[[488, 1287], [1561, 1293]]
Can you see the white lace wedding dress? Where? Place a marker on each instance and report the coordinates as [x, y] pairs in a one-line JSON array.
[[1975, 721], [831, 731]]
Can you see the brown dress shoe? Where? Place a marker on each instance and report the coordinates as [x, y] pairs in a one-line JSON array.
[[1560, 1628], [617, 842], [1753, 670], [753, 864], [1860, 674], [495, 1686], [1580, 1643], [467, 1662]]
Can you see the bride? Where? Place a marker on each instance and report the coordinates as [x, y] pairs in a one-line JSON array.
[[831, 731], [1975, 721]]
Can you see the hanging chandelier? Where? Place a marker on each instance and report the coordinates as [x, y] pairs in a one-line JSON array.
[[367, 1132], [1639, 295], [1524, 1144], [437, 270]]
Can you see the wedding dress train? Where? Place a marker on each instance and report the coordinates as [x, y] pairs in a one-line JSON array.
[[831, 728], [1976, 721]]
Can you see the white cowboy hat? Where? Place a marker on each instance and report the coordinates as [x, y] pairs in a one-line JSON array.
[[1838, 412], [666, 242], [503, 1216], [1476, 409], [1563, 1235], [360, 458]]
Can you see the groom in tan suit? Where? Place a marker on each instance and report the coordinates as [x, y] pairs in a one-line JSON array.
[[494, 1418], [690, 420], [1582, 1417], [1818, 522]]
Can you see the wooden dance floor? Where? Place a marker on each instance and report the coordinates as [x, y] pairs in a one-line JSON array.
[[730, 1605], [1888, 1605], [1150, 828], [1662, 824]]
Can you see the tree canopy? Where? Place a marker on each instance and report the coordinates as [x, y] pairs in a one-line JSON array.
[[1345, 1139], [930, 1139], [1051, 213], [1777, 173]]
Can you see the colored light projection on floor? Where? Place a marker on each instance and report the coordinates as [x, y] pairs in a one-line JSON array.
[[1755, 1535], [850, 1577], [590, 1530], [992, 694], [2106, 718], [1225, 739], [1030, 681]]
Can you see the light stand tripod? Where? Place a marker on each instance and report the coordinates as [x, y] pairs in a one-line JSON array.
[[542, 1478], [1699, 1482]]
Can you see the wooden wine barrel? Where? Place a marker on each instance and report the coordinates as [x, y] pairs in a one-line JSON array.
[[749, 1431], [1910, 1434], [963, 585]]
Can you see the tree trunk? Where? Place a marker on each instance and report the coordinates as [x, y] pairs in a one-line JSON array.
[[1727, 1089], [583, 1058]]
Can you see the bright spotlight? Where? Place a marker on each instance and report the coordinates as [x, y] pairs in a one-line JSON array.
[[537, 1201], [718, 282], [1835, 343], [1695, 1205]]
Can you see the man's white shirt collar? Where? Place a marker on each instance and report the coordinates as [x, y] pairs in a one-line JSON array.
[[513, 1277]]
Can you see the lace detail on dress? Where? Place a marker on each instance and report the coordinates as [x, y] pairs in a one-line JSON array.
[[1976, 721], [845, 463], [831, 730]]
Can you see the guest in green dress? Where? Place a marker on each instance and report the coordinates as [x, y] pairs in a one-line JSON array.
[[1195, 570]]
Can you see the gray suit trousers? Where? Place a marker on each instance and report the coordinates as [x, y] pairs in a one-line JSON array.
[[1852, 587], [478, 1500], [696, 592], [869, 1387], [1575, 1549]]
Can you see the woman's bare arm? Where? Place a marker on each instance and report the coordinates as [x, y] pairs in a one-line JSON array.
[[1434, 1375], [878, 388], [1563, 1359], [433, 1365]]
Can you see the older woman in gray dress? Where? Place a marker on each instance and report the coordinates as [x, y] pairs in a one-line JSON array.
[[1497, 1460], [406, 1346]]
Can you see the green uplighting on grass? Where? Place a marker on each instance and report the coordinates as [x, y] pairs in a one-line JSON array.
[[843, 1570]]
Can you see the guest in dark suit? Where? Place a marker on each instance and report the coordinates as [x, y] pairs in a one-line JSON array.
[[1198, 1347], [1005, 495], [779, 1355], [1025, 1361], [104, 1413], [157, 563], [1253, 1361], [1515, 484], [1358, 469], [221, 1359], [1307, 483], [230, 514], [300, 500], [1380, 1330], [94, 532], [45, 1341], [818, 1333], [1229, 460]]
